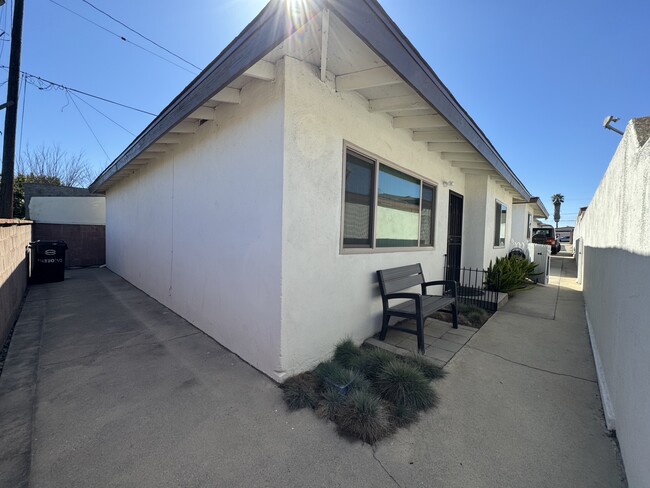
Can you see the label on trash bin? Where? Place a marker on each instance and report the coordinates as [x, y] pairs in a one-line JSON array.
[[50, 252], [49, 261]]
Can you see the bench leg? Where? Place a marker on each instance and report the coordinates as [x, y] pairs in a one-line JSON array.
[[420, 329], [384, 327], [454, 315]]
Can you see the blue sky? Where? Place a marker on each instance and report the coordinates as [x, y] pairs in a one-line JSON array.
[[538, 78]]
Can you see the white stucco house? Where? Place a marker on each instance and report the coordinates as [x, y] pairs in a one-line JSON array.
[[612, 251], [317, 148], [523, 218]]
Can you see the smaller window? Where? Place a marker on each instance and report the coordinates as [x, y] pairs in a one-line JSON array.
[[500, 217], [530, 225], [427, 215]]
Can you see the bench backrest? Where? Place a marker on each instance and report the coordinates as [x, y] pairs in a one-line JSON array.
[[396, 279]]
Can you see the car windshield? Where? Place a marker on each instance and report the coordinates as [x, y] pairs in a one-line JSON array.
[[544, 232]]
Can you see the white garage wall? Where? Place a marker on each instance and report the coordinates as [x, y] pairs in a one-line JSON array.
[[200, 229], [328, 295], [614, 234]]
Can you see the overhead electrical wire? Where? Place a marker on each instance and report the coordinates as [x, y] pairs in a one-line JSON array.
[[88, 125], [141, 35], [38, 82], [122, 37], [102, 113]]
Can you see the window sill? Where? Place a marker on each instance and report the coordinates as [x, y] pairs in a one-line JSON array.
[[384, 250]]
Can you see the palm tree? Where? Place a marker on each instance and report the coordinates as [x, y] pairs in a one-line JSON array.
[[558, 200]]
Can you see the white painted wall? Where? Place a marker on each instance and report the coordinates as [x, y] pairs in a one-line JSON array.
[[521, 231], [328, 295], [200, 230], [68, 210], [481, 196], [615, 232]]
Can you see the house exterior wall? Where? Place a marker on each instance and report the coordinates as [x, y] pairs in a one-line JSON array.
[[521, 231], [613, 237], [327, 294], [479, 221], [200, 229], [68, 210]]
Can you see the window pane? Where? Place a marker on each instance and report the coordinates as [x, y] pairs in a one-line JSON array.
[[500, 225], [427, 218], [398, 209], [357, 221]]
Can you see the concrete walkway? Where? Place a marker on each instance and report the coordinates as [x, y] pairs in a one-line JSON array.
[[103, 386]]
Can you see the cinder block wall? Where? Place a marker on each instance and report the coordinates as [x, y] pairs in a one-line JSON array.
[[14, 237]]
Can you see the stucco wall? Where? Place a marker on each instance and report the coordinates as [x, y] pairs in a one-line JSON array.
[[615, 232], [479, 221], [200, 229], [329, 295], [68, 210], [14, 237], [521, 231]]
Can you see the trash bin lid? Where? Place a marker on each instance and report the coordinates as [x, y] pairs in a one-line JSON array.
[[41, 244]]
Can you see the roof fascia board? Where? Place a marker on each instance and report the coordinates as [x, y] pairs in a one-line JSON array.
[[270, 28], [368, 20]]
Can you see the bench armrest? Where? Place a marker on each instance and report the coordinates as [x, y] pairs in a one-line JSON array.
[[448, 284], [411, 296]]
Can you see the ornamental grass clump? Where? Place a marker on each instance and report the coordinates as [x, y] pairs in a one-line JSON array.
[[427, 368], [347, 354], [368, 393], [364, 416], [403, 384], [300, 391]]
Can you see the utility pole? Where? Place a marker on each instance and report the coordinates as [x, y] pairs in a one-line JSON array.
[[11, 116]]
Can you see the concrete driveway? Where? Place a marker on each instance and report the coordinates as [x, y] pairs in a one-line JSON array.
[[103, 386]]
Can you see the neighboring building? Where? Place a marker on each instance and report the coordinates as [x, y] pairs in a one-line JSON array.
[[612, 249], [524, 215], [316, 149], [565, 234], [73, 215]]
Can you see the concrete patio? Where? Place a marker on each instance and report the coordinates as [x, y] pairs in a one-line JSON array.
[[103, 386]]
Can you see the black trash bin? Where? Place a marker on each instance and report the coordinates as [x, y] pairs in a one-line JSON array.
[[47, 261]]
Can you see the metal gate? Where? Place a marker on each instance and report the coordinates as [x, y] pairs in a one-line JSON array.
[[454, 236]]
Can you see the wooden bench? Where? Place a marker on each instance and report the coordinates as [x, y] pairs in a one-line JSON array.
[[417, 306]]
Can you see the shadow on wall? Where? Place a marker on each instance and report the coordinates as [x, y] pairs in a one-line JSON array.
[[618, 307], [86, 243], [12, 290]]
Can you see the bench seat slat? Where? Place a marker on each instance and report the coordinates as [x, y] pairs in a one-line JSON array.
[[430, 305]]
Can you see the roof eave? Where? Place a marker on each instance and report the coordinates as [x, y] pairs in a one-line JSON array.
[[271, 26], [368, 20]]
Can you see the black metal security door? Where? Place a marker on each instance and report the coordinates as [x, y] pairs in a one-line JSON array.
[[454, 236]]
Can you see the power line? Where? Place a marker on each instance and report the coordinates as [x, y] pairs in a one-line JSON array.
[[89, 127], [38, 82], [121, 37], [141, 35], [101, 113]]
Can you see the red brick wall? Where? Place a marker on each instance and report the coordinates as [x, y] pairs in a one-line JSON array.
[[86, 243]]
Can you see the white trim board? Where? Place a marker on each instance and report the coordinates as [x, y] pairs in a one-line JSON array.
[[608, 407]]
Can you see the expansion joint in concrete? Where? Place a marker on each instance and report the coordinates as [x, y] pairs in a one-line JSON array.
[[374, 455], [529, 366]]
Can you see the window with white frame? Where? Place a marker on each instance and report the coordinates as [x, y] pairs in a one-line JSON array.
[[385, 207], [530, 225], [500, 218]]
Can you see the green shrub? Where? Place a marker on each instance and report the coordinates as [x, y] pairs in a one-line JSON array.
[[330, 403], [474, 316], [372, 361], [404, 384], [401, 415], [364, 416], [427, 368], [509, 274], [347, 354], [300, 391], [332, 374]]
